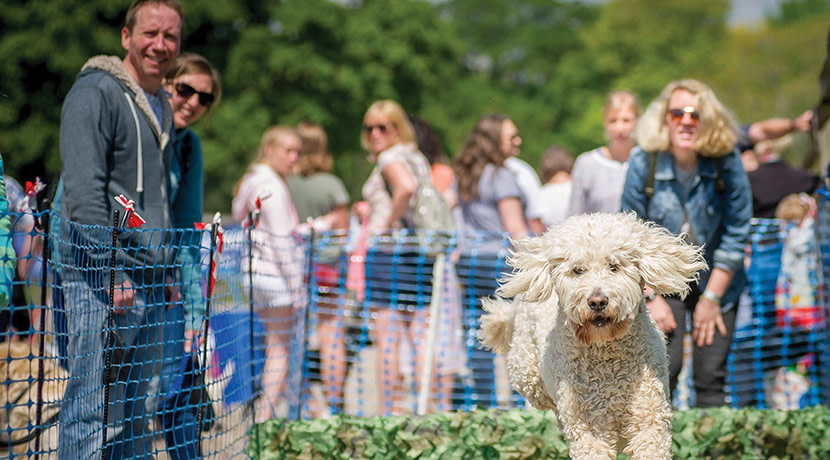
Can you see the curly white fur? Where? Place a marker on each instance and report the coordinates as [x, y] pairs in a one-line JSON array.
[[577, 337]]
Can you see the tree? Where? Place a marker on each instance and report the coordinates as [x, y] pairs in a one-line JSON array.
[[320, 61]]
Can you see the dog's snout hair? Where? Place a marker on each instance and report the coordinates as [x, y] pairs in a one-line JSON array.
[[598, 302]]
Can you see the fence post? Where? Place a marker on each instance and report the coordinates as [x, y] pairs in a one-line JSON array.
[[251, 363], [41, 342], [434, 319], [110, 333], [200, 415], [309, 277]]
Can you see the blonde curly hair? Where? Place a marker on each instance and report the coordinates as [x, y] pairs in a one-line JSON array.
[[717, 130]]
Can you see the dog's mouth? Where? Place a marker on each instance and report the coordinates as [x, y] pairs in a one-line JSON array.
[[600, 321], [600, 328]]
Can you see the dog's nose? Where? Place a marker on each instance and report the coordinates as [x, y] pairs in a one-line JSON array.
[[598, 302]]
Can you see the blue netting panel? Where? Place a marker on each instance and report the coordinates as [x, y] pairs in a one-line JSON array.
[[302, 329], [778, 352], [393, 329]]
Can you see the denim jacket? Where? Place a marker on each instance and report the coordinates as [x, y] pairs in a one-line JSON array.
[[719, 220]]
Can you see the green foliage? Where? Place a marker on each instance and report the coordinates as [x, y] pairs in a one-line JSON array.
[[319, 61], [546, 63], [491, 434], [41, 49], [719, 433], [796, 10]]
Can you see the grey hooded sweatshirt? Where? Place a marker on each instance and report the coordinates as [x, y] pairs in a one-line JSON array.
[[111, 144]]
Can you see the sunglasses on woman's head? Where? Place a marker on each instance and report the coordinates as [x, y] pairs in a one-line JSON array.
[[677, 114], [381, 128], [186, 91]]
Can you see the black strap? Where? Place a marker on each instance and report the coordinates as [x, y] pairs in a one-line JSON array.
[[720, 184], [652, 167]]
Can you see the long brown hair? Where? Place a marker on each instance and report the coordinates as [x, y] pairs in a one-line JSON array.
[[314, 155], [482, 147]]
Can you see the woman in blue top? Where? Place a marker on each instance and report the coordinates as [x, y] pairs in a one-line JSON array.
[[195, 90], [699, 189]]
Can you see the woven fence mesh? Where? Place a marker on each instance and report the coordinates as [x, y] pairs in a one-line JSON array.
[[306, 327]]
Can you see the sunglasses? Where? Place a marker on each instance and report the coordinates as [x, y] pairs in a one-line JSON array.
[[186, 91], [677, 114], [382, 128]]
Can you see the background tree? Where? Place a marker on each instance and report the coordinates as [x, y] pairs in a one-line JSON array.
[[323, 62]]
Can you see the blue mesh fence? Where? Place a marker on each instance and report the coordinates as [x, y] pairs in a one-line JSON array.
[[778, 358], [308, 327]]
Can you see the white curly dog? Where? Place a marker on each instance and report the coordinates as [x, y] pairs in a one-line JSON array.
[[577, 337]]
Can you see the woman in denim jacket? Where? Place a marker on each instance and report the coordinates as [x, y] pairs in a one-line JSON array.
[[698, 188]]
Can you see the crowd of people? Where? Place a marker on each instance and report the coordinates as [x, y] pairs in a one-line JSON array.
[[684, 163]]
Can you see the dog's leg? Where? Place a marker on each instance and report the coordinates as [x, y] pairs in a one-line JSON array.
[[589, 446], [649, 426], [590, 436]]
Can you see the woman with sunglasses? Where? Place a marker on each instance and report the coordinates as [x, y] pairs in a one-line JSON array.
[[687, 176], [399, 299], [195, 90], [598, 175]]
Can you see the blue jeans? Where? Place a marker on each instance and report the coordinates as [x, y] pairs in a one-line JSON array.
[[82, 408]]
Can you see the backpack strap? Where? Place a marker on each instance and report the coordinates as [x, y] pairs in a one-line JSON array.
[[652, 167], [720, 184]]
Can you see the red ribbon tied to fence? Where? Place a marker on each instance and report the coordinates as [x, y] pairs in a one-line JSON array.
[[217, 221], [32, 189], [254, 217], [131, 217]]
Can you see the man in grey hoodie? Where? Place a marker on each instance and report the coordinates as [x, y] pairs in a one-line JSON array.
[[116, 127]]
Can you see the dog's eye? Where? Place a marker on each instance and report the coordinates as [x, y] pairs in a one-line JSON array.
[[614, 268], [578, 270]]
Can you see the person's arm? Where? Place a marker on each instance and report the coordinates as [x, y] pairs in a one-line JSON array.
[[512, 217], [85, 134], [707, 315], [773, 128], [536, 226], [403, 187], [187, 210], [729, 254], [7, 256]]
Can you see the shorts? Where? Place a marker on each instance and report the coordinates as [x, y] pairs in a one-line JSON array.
[[401, 280]]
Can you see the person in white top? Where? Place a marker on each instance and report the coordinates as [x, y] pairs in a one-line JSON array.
[[598, 175], [277, 262], [555, 168]]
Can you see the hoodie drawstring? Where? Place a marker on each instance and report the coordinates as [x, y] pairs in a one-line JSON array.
[[139, 180]]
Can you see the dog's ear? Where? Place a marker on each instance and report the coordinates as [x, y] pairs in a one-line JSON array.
[[667, 262], [533, 260]]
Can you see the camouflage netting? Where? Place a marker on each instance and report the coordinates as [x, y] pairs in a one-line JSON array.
[[721, 433]]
